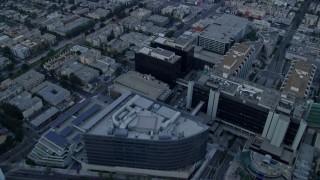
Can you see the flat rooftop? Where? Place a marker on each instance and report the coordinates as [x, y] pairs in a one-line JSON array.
[[24, 100], [179, 42], [234, 58], [225, 27], [142, 84], [299, 78], [136, 117], [29, 76], [219, 33], [245, 91], [53, 93], [158, 18], [160, 53], [270, 36], [71, 124], [205, 55]]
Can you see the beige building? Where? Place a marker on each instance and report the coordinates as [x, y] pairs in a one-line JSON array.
[[90, 56], [299, 79]]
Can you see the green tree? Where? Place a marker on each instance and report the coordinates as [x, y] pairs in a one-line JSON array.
[[51, 72], [111, 36], [51, 53], [30, 162], [169, 34], [19, 134], [6, 51], [103, 19], [252, 36], [10, 67], [74, 7], [124, 63], [141, 5], [118, 71], [54, 7], [25, 66], [11, 110], [240, 14], [74, 80]]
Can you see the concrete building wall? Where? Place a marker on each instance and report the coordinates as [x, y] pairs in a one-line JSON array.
[[272, 127], [280, 130], [213, 104], [297, 139]]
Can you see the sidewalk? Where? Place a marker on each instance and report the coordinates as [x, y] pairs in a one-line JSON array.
[[231, 170]]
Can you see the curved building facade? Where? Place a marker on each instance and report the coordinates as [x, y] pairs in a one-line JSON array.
[[149, 154], [142, 134]]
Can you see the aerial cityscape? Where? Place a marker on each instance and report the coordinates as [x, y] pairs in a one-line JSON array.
[[160, 89]]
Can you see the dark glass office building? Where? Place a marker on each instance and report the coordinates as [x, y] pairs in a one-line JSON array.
[[165, 70], [186, 54]]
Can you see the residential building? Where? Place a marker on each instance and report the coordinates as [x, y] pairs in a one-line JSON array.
[[136, 38], [100, 37], [155, 6], [141, 14], [20, 51], [4, 62], [63, 26], [105, 64], [52, 93], [304, 47], [149, 28], [9, 89], [89, 56], [30, 79], [86, 74], [158, 20], [26, 103], [57, 62], [177, 12], [31, 45], [5, 41], [130, 22], [69, 68], [98, 13], [50, 38], [125, 2], [117, 46], [202, 24]]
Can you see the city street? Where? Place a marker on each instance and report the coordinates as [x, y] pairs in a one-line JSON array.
[[273, 74]]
